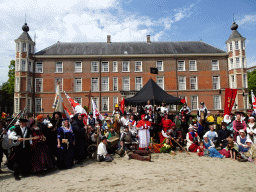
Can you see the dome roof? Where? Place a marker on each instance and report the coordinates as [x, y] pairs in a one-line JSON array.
[[25, 27], [234, 26]]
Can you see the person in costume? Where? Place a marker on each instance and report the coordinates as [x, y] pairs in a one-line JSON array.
[[166, 124], [223, 135], [164, 109], [148, 107], [143, 132], [219, 120], [251, 129], [241, 141], [3, 133], [41, 156], [251, 153], [91, 120], [227, 119], [66, 142], [201, 149], [117, 111], [176, 135], [124, 122], [132, 124], [211, 147], [192, 139], [212, 134], [107, 125], [238, 124], [203, 110], [102, 153], [21, 155], [249, 114], [79, 132]]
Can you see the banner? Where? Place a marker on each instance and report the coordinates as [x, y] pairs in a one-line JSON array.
[[122, 105], [253, 101], [96, 111], [57, 104], [230, 96], [66, 112]]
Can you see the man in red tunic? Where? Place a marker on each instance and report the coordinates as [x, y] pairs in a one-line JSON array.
[[143, 127], [166, 123]]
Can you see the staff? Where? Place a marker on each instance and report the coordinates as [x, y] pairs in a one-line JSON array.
[[178, 144]]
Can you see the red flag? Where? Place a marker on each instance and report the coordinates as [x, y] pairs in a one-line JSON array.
[[230, 96], [66, 113], [4, 115], [122, 105], [183, 101]]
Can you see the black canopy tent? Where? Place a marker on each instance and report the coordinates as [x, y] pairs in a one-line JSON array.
[[151, 91]]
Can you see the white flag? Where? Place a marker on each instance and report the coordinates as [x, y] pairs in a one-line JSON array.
[[57, 104], [96, 111], [253, 101]]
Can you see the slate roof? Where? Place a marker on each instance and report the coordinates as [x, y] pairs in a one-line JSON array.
[[132, 48], [25, 36], [235, 34]]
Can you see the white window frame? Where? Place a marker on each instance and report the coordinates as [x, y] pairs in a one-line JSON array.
[[61, 84], [246, 101], [196, 84], [30, 66], [245, 81], [36, 69], [185, 83], [97, 88], [217, 65], [18, 47], [104, 83], [128, 62], [232, 83], [96, 63], [141, 83], [17, 84], [231, 61], [102, 103], [196, 108], [17, 65], [16, 105], [115, 83], [24, 48], [215, 104], [243, 63], [41, 89], [190, 65], [102, 68], [76, 86], [78, 69], [77, 100], [36, 105], [115, 66], [115, 102], [236, 45], [238, 62], [23, 65], [157, 81], [217, 84], [181, 62], [57, 67], [123, 84], [29, 104], [96, 101], [162, 65], [29, 89], [137, 62]]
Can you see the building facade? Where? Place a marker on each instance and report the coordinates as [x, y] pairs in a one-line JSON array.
[[109, 71]]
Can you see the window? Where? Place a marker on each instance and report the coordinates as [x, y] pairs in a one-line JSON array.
[[160, 82], [160, 66], [115, 66], [193, 83], [94, 66], [17, 65], [95, 84], [16, 103], [215, 65], [217, 102], [115, 101], [59, 80], [138, 66], [126, 83], [29, 48], [105, 84], [232, 81], [104, 66], [236, 45], [125, 66], [182, 82], [24, 49], [243, 44], [78, 84], [216, 82], [243, 64], [245, 81], [231, 47], [192, 66], [138, 83], [78, 100], [39, 67], [59, 67], [29, 84], [39, 84], [29, 105], [78, 67], [194, 102], [18, 47], [231, 64], [17, 84], [181, 65], [237, 62], [38, 105], [115, 84], [105, 104], [23, 65], [96, 101], [30, 66], [246, 102]]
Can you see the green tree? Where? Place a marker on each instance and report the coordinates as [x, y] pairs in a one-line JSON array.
[[251, 83]]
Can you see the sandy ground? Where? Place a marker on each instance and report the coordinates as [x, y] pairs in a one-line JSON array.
[[182, 172]]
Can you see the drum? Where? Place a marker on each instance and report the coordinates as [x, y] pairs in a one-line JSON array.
[[92, 148], [113, 140]]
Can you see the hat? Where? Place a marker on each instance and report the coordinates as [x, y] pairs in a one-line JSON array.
[[208, 111], [108, 119], [23, 120], [248, 140], [105, 114], [116, 105], [71, 116], [39, 117], [251, 117], [195, 125], [241, 131], [103, 138], [91, 113], [190, 127], [201, 103]]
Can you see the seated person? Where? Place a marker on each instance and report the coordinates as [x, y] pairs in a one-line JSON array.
[[232, 148], [96, 136], [176, 136], [241, 141], [192, 139], [223, 134], [251, 153], [107, 124], [201, 149], [211, 147], [212, 134], [102, 153]]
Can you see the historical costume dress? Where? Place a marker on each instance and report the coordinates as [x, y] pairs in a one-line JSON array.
[[166, 124], [200, 150], [229, 123], [237, 125], [143, 132], [66, 152], [242, 143], [251, 129], [211, 147], [192, 140]]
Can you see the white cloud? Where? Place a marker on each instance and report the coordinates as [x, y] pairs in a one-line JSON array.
[[247, 20]]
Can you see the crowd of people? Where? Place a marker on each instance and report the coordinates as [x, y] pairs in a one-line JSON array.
[[33, 145]]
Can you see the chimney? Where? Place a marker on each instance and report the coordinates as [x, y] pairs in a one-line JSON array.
[[108, 39], [148, 39]]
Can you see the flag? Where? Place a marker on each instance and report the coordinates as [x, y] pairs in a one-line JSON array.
[[253, 101], [57, 104], [122, 105], [183, 101], [77, 108], [96, 111], [4, 115], [230, 96], [66, 112]]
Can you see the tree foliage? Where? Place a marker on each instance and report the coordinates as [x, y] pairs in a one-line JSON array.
[[251, 83]]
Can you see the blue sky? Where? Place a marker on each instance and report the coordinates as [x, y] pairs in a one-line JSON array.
[[125, 20]]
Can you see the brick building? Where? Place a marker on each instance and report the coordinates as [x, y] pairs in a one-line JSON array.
[[112, 70]]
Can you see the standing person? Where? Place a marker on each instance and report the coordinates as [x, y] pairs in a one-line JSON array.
[[79, 132], [202, 112], [219, 120], [91, 120], [164, 109], [2, 151], [148, 107], [251, 129], [143, 133], [238, 124], [229, 123], [66, 142], [21, 156], [166, 123], [124, 122]]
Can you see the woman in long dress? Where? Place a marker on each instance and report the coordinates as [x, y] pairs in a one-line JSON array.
[[143, 132], [238, 124], [66, 142], [251, 129], [211, 147]]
